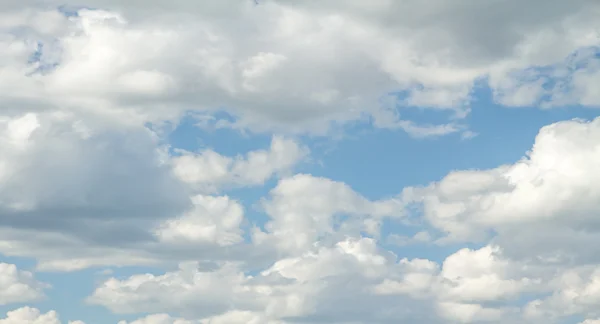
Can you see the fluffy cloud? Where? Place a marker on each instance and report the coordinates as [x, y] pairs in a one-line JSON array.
[[17, 286], [304, 210], [351, 281], [84, 182], [575, 291], [86, 191], [213, 219], [553, 189], [208, 171], [29, 315], [481, 276], [76, 183], [327, 269], [58, 165], [159, 319], [203, 293], [330, 267], [152, 64], [233, 317], [305, 288], [538, 214], [239, 317]]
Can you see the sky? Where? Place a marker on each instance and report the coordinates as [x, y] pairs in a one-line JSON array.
[[299, 162]]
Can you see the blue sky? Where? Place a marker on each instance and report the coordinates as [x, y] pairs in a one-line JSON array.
[[288, 162]]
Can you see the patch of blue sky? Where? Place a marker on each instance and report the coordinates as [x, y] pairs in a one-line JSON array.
[[189, 136], [68, 293], [37, 54], [580, 58], [557, 78], [73, 10], [251, 198], [423, 115], [40, 60]]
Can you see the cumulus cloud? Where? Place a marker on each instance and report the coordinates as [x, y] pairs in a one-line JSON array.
[[590, 321], [552, 188], [85, 182], [306, 288], [75, 183], [86, 192], [18, 286], [213, 219], [304, 210], [152, 63], [29, 315], [203, 293], [233, 317], [159, 319], [209, 171], [575, 291], [58, 165], [352, 281]]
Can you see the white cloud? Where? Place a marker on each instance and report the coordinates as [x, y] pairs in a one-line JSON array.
[[213, 219], [233, 317], [552, 187], [466, 279], [77, 91], [482, 275], [317, 223], [240, 317], [18, 286], [69, 183], [304, 210], [159, 319], [590, 321], [202, 293], [208, 171], [29, 315], [351, 281], [79, 192], [308, 67], [469, 313], [575, 292], [538, 214], [54, 163]]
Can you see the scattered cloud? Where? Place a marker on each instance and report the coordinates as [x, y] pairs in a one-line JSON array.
[[86, 183], [208, 171], [18, 286]]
